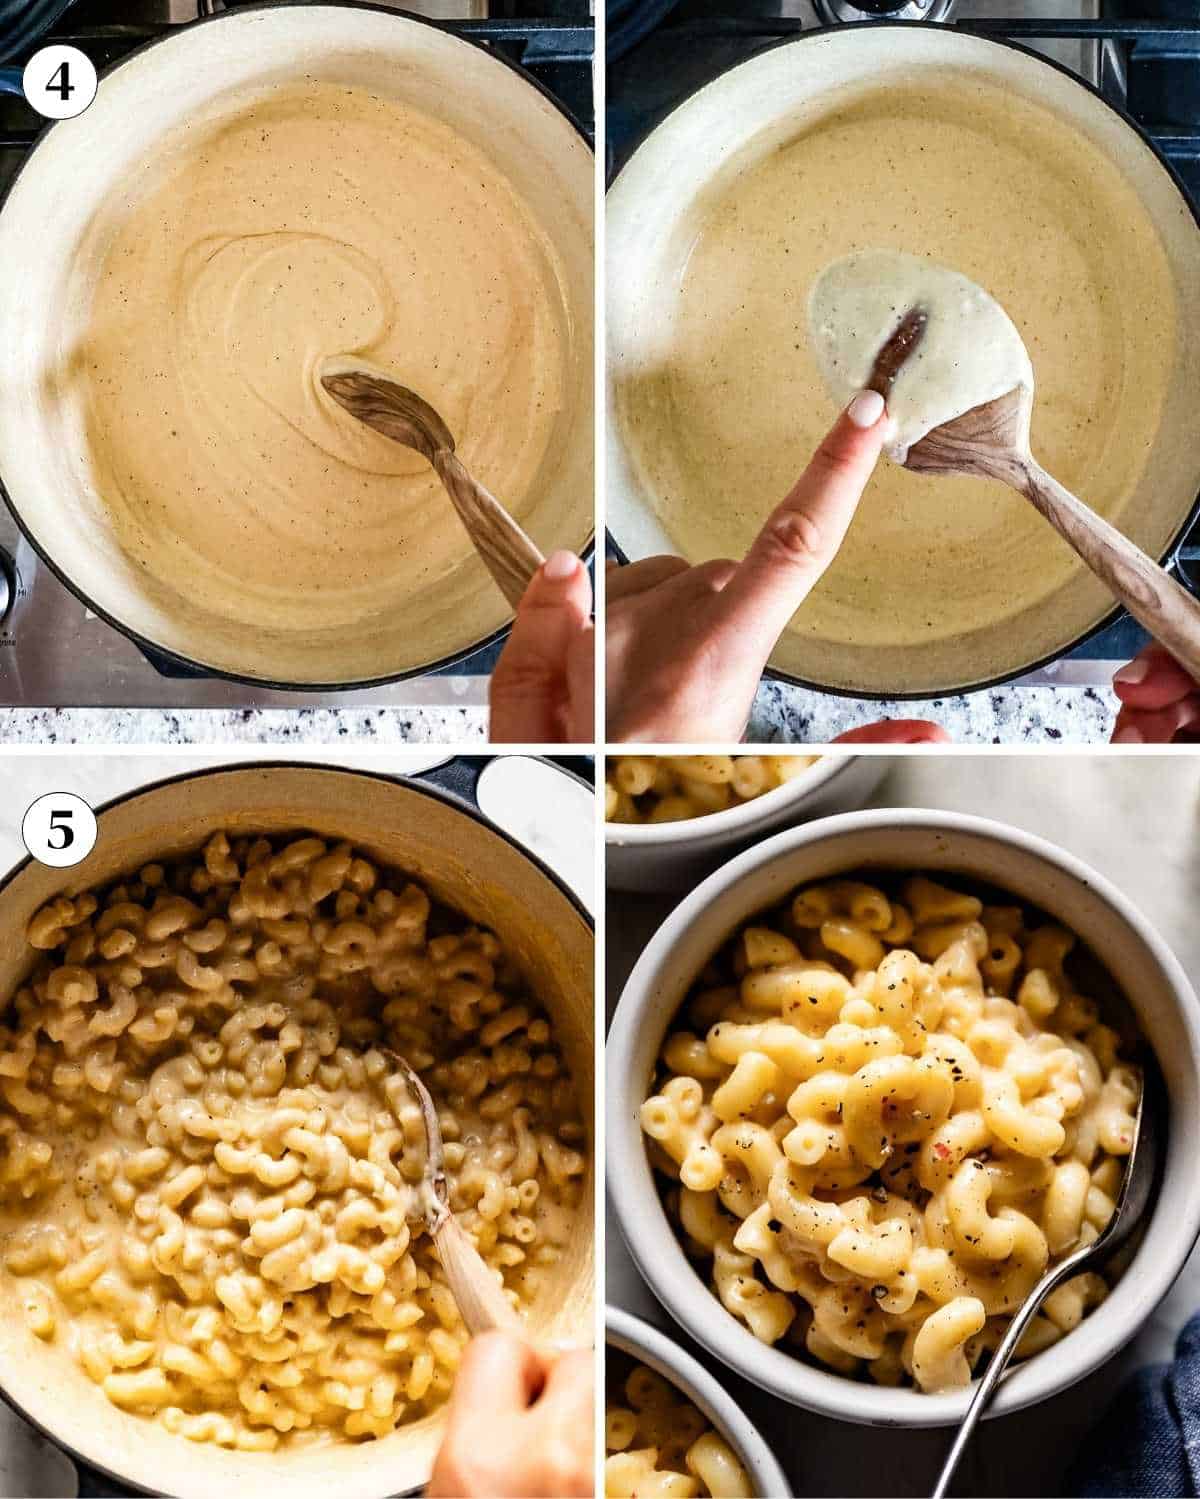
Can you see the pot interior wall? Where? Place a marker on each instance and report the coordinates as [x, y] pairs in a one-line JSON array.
[[460, 862], [53, 230], [748, 113]]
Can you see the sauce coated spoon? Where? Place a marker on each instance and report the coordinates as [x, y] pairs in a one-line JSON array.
[[399, 413], [480, 1297], [1136, 1188], [992, 442]]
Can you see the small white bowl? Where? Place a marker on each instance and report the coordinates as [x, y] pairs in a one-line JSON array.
[[649, 1346], [672, 855], [943, 844]]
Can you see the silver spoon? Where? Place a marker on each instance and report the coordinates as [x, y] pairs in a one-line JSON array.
[[1131, 1206]]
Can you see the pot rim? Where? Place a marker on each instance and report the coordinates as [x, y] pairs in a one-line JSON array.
[[412, 783], [658, 1252], [140, 640], [1117, 612]]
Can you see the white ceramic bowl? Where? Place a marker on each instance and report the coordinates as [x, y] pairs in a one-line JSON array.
[[672, 855], [943, 844], [649, 1346]]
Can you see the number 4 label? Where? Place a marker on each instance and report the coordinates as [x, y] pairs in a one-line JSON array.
[[59, 82], [59, 829]]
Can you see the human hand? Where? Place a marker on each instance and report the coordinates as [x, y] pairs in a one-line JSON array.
[[896, 731], [1159, 700], [686, 646], [520, 1424], [543, 689]]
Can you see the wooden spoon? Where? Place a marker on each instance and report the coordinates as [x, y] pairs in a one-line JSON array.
[[480, 1297], [399, 413], [992, 442]]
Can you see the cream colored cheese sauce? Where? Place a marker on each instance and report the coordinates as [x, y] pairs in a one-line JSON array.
[[968, 354], [309, 222], [959, 172]]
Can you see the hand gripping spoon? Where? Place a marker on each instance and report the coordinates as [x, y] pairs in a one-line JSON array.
[[992, 442], [1134, 1198], [399, 413], [480, 1297]]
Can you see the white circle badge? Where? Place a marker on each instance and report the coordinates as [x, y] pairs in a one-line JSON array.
[[59, 829], [59, 82]]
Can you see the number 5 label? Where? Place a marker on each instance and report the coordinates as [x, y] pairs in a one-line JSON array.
[[59, 82], [59, 829]]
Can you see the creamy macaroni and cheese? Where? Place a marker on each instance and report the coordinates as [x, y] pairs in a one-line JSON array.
[[658, 1445], [210, 1178], [886, 1117], [671, 788]]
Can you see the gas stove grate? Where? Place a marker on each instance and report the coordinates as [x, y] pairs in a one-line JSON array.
[[557, 51]]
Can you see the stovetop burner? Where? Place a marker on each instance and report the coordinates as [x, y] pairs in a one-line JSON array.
[[833, 12], [1143, 55], [53, 651]]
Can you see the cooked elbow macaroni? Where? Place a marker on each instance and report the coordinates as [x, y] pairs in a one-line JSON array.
[[659, 1446], [671, 788], [210, 1172], [886, 1117]]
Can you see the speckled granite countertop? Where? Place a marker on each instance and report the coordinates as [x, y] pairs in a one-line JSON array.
[[102, 726], [782, 714], [1003, 715]]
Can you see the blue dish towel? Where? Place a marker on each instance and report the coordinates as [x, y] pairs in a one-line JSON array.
[[1148, 1444]]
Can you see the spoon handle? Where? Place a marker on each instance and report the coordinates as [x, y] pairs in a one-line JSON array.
[[1000, 1359], [481, 1301], [511, 557], [1150, 594]]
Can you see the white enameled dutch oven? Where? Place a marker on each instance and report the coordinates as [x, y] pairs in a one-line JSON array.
[[50, 269], [670, 855], [438, 837], [942, 844], [719, 133], [649, 1346]]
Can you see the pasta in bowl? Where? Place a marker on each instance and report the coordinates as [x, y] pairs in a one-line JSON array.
[[887, 1117], [867, 1107], [211, 1175], [675, 788], [671, 1429], [670, 818], [656, 1442]]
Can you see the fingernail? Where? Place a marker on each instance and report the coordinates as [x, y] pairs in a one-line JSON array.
[[1134, 673], [865, 409], [1128, 735], [559, 566]]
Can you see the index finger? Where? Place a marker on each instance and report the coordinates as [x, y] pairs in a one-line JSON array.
[[802, 536]]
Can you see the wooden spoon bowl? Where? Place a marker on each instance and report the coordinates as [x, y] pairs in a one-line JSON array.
[[375, 399], [992, 442]]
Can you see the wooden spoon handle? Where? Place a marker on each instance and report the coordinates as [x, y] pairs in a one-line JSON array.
[[1150, 594], [481, 1301], [511, 558]]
